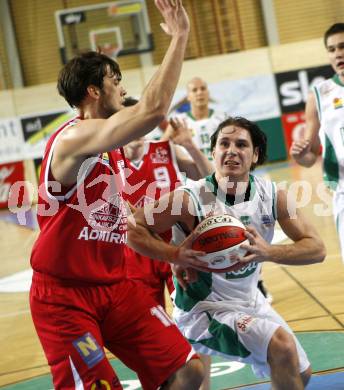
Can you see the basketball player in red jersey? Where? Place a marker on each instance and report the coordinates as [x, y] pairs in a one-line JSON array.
[[155, 169], [80, 300]]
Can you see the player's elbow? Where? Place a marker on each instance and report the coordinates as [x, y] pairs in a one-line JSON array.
[[134, 234], [320, 252], [152, 115]]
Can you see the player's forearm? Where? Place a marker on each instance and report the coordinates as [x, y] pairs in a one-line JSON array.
[[159, 91], [143, 242], [204, 166], [303, 252]]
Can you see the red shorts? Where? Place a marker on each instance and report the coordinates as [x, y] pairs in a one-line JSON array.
[[153, 273], [75, 323]]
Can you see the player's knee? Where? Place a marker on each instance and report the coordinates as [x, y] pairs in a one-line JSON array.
[[195, 373], [189, 377], [306, 375], [282, 348]]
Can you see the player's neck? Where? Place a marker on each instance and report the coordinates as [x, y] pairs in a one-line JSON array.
[[200, 112], [88, 111], [341, 78], [232, 186]]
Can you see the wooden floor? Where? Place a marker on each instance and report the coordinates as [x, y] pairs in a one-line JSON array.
[[309, 297]]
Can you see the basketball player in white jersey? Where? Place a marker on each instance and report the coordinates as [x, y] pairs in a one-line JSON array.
[[167, 173], [225, 314], [201, 119], [325, 126]]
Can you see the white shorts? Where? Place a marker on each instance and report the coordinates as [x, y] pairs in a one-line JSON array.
[[236, 332]]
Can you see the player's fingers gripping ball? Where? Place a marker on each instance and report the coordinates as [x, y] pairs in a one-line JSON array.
[[220, 236]]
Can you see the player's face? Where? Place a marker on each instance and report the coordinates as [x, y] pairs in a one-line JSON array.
[[234, 154], [112, 95], [335, 49], [198, 93]]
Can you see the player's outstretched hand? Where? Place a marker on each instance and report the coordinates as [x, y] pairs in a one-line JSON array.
[[176, 20], [181, 134], [257, 250]]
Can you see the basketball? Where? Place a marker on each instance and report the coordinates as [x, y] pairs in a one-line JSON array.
[[220, 236]]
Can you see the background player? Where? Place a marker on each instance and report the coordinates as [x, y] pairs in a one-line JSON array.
[[201, 119], [325, 125], [225, 314], [80, 300]]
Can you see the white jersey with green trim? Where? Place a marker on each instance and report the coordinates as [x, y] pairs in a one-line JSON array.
[[330, 105], [203, 129], [258, 209]]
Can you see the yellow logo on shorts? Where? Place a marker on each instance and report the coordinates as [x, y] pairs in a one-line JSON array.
[[89, 349], [105, 384]]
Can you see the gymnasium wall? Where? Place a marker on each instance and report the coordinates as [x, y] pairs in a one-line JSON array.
[[241, 82], [217, 27], [244, 83]]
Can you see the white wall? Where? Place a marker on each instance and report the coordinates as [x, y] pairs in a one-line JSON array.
[[305, 54]]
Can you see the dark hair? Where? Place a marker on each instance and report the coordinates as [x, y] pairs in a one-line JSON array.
[[258, 137], [334, 29], [82, 71]]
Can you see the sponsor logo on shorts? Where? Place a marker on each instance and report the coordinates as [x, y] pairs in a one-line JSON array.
[[89, 349], [244, 323], [101, 384]]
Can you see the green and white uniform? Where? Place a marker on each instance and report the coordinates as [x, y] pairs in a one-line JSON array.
[[203, 129], [330, 105], [224, 313]]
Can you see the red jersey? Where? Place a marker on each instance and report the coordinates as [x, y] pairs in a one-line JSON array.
[[156, 174], [83, 228]]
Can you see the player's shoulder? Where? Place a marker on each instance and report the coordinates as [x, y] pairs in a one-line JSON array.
[[326, 86], [263, 184], [194, 186]]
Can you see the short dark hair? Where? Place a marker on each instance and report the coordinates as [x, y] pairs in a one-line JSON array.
[[334, 29], [258, 137], [86, 69]]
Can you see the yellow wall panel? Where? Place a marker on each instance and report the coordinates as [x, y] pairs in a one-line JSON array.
[[251, 21], [5, 76], [307, 19]]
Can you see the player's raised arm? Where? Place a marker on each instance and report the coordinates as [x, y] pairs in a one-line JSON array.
[[198, 165], [306, 149], [107, 125]]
